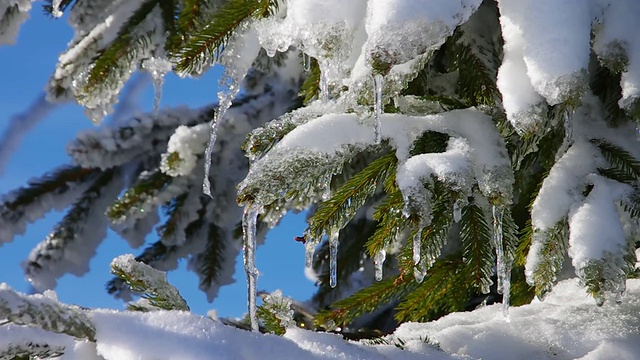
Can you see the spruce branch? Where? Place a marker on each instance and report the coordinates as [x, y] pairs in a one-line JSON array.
[[434, 236], [58, 181], [276, 313], [311, 85], [32, 349], [605, 83], [552, 255], [477, 252], [365, 301], [335, 213], [149, 282], [207, 44], [133, 199], [623, 162], [443, 290], [46, 313], [212, 257], [173, 211], [391, 222], [477, 75], [63, 249], [114, 61]]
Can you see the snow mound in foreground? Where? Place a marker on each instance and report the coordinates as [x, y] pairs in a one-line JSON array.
[[567, 325]]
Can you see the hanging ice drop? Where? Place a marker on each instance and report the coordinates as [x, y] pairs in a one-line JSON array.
[[249, 218], [503, 263], [418, 272], [309, 248], [378, 83], [157, 67], [324, 86], [333, 258], [306, 62], [378, 263], [213, 133], [568, 133], [457, 211]]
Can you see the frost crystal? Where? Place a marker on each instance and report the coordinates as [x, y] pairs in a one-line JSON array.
[[280, 306]]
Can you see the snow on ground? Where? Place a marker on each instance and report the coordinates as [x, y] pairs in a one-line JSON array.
[[567, 325]]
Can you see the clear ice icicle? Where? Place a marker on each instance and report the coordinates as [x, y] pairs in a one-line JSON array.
[[249, 219], [457, 211], [157, 67], [306, 62], [378, 263], [324, 86], [568, 133], [309, 249], [418, 269], [213, 133], [333, 258], [378, 83], [503, 263]]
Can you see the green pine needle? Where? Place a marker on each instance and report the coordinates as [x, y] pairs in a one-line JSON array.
[[442, 291], [57, 181], [365, 301], [137, 195], [621, 160], [113, 63], [213, 257], [205, 46], [335, 213], [477, 251], [552, 256]]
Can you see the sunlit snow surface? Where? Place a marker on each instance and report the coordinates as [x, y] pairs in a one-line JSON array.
[[567, 325]]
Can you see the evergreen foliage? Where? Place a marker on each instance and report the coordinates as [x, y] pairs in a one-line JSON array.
[[428, 194]]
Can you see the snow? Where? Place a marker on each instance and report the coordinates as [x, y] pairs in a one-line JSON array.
[[567, 325], [12, 14], [187, 143], [595, 224]]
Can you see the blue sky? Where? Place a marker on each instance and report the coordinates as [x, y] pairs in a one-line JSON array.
[[26, 69]]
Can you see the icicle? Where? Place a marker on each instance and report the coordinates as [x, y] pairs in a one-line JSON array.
[[457, 211], [157, 67], [324, 86], [378, 83], [622, 287], [418, 272], [306, 62], [213, 133], [249, 218], [333, 258], [378, 262], [325, 185], [503, 264], [568, 133], [309, 249]]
